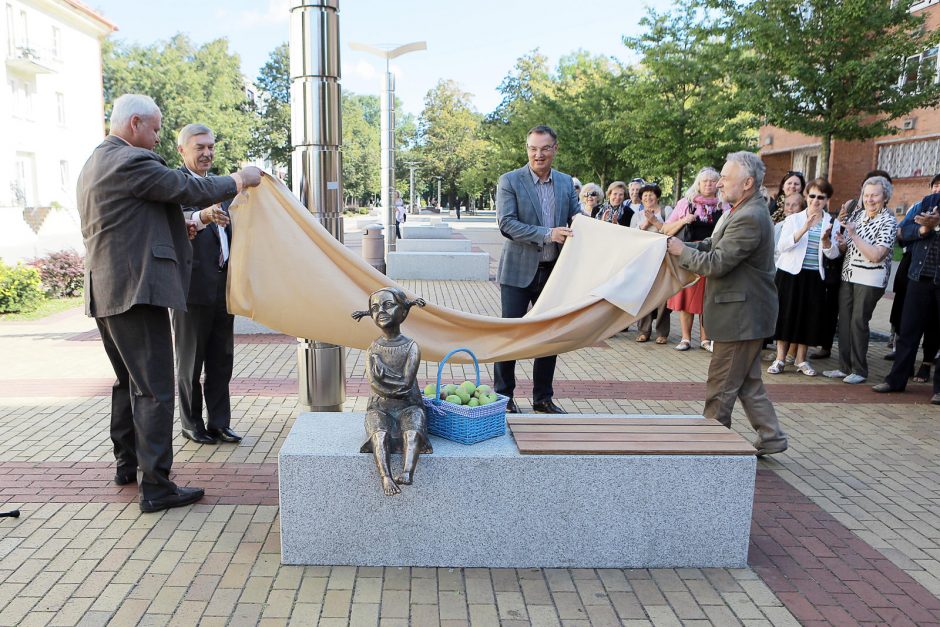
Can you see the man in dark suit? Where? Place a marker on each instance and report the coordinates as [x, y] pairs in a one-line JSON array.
[[137, 265], [534, 205], [740, 307], [204, 333]]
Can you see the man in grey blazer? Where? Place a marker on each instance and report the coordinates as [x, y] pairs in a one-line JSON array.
[[534, 205], [740, 308], [205, 333], [137, 265]]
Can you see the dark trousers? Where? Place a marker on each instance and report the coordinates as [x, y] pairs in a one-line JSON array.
[[645, 324], [932, 331], [856, 306], [205, 338], [830, 313], [921, 304], [140, 348], [516, 301]]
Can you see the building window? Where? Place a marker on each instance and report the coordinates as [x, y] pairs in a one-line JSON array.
[[910, 159], [23, 34], [60, 107], [56, 43], [22, 95], [11, 32], [64, 174], [921, 69]]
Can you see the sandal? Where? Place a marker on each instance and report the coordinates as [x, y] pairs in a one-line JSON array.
[[684, 345], [791, 360], [643, 337], [923, 374], [662, 340], [806, 368], [776, 367]]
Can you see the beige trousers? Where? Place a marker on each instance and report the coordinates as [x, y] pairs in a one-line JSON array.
[[735, 372]]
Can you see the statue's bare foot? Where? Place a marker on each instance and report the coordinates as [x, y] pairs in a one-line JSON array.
[[389, 486], [404, 478]]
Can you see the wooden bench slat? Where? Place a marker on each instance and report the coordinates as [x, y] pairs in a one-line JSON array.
[[637, 448], [628, 437], [576, 428], [546, 420]]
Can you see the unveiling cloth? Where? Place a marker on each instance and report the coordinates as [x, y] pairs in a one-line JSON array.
[[289, 273]]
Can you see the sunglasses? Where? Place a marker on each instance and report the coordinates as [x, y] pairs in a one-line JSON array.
[[794, 173], [591, 195], [817, 196]]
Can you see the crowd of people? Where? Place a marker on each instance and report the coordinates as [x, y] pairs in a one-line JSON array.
[[833, 265]]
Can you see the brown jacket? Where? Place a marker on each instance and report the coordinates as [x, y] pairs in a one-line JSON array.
[[738, 261], [137, 249]]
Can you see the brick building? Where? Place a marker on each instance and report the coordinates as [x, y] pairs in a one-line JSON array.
[[911, 156]]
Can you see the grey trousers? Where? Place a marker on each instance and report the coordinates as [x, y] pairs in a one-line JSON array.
[[735, 372], [856, 306], [645, 324]]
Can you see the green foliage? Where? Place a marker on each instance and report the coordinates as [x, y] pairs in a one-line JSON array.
[[202, 85], [450, 140], [62, 273], [686, 112], [361, 149], [271, 137], [830, 68], [20, 288]]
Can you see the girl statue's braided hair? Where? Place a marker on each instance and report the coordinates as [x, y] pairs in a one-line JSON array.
[[400, 297]]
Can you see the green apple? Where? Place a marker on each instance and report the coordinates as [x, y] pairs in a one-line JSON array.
[[469, 386], [450, 388], [474, 402], [429, 389], [464, 397], [484, 389], [453, 398]]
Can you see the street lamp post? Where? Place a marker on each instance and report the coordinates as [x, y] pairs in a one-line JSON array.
[[411, 185], [439, 192], [388, 131]]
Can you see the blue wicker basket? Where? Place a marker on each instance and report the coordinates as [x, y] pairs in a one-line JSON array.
[[460, 423]]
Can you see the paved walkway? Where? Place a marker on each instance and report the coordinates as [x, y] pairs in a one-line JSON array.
[[846, 524]]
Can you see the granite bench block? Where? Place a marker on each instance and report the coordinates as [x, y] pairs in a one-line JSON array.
[[445, 266], [488, 506], [426, 231], [433, 245]]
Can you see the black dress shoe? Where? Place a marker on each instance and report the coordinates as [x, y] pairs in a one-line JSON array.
[[226, 435], [183, 496], [512, 408], [890, 356], [199, 436], [885, 388], [123, 476], [548, 407]]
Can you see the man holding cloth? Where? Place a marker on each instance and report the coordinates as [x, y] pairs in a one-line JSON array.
[[534, 206], [205, 332], [137, 265], [740, 307]]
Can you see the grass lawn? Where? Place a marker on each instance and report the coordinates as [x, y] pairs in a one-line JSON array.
[[47, 308]]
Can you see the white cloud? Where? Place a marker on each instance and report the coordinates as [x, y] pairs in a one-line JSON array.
[[278, 11], [364, 70]]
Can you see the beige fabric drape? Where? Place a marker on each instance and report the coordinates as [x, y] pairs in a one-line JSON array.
[[287, 272]]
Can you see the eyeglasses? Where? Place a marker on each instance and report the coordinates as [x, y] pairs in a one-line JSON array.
[[817, 196], [540, 150], [591, 195]]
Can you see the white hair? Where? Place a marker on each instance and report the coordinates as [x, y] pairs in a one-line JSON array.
[[129, 105], [752, 164], [885, 185], [575, 181], [191, 130], [695, 189]]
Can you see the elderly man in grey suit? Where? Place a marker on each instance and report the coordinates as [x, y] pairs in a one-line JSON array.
[[534, 205], [740, 307], [137, 265]]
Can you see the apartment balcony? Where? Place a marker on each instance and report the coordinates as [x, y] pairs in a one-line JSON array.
[[30, 62]]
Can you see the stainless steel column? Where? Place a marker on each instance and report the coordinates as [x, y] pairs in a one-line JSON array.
[[316, 133], [387, 109]]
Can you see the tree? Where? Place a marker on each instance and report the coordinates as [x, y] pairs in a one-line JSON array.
[[202, 85], [832, 68], [361, 150], [450, 139], [271, 139], [687, 112]]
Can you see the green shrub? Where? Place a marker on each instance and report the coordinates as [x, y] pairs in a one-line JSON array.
[[20, 288], [62, 273]]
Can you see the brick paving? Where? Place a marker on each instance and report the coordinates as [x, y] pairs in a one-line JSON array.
[[845, 531]]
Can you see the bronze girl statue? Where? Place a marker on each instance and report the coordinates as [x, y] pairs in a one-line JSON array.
[[395, 417]]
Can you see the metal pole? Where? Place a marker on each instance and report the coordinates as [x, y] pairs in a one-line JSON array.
[[411, 188], [316, 132], [387, 124], [438, 193]]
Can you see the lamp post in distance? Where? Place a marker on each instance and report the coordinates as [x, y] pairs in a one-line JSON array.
[[387, 107]]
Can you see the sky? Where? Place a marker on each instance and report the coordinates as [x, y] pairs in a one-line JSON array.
[[475, 42]]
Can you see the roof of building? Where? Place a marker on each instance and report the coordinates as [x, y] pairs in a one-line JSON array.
[[82, 8]]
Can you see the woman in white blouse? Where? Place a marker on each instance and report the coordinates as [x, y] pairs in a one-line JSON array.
[[867, 238], [804, 237]]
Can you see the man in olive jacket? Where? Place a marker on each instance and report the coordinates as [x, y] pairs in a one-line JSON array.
[[137, 265], [740, 307]]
